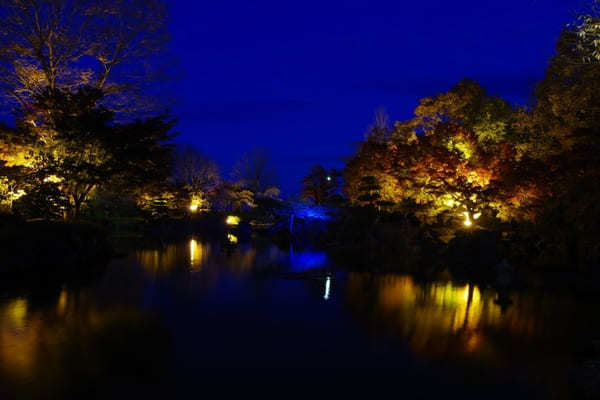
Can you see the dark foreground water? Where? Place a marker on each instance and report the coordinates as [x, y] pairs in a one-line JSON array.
[[170, 322]]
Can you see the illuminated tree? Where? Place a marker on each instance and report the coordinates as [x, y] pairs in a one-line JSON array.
[[567, 107], [198, 175], [160, 201], [379, 160], [44, 200], [583, 36], [369, 191], [469, 106], [69, 44], [195, 170], [272, 193], [12, 185], [232, 197], [562, 133], [86, 150], [71, 67], [457, 158]]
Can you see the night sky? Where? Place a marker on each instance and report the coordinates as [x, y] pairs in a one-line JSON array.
[[303, 78]]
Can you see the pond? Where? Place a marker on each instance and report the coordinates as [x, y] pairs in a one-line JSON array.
[[158, 322]]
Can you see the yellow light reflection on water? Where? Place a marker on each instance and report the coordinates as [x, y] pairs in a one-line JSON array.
[[163, 260], [327, 288], [451, 307], [61, 305], [432, 317], [193, 250], [198, 253], [17, 312], [18, 338], [37, 345], [232, 238]]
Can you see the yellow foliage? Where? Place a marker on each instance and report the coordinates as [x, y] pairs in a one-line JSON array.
[[390, 189], [463, 147], [198, 202], [16, 155]]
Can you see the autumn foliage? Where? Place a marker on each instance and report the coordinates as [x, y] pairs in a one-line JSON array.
[[459, 154]]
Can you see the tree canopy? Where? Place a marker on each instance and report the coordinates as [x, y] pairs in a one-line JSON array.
[[70, 44]]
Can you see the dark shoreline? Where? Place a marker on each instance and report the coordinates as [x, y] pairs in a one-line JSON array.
[[46, 251]]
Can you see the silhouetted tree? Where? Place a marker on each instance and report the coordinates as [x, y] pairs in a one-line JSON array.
[[321, 185], [255, 171], [380, 130]]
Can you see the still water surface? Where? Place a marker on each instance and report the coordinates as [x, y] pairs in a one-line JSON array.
[[157, 318]]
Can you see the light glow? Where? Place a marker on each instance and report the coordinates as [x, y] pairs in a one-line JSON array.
[[232, 220], [327, 288], [198, 254], [52, 179], [232, 238], [193, 250], [17, 313], [468, 223], [193, 207], [62, 302], [306, 260]]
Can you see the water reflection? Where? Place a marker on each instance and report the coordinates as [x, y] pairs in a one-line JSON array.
[[304, 260], [163, 261], [199, 254], [327, 288], [445, 306], [238, 260], [232, 238], [17, 338], [435, 317], [454, 324], [70, 338], [201, 295]]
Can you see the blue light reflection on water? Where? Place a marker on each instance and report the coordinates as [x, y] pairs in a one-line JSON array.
[[306, 260], [172, 312]]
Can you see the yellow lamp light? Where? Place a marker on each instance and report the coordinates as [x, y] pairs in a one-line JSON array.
[[193, 207], [232, 220], [52, 179], [468, 223]]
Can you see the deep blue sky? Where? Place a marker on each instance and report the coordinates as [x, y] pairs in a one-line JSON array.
[[303, 78]]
